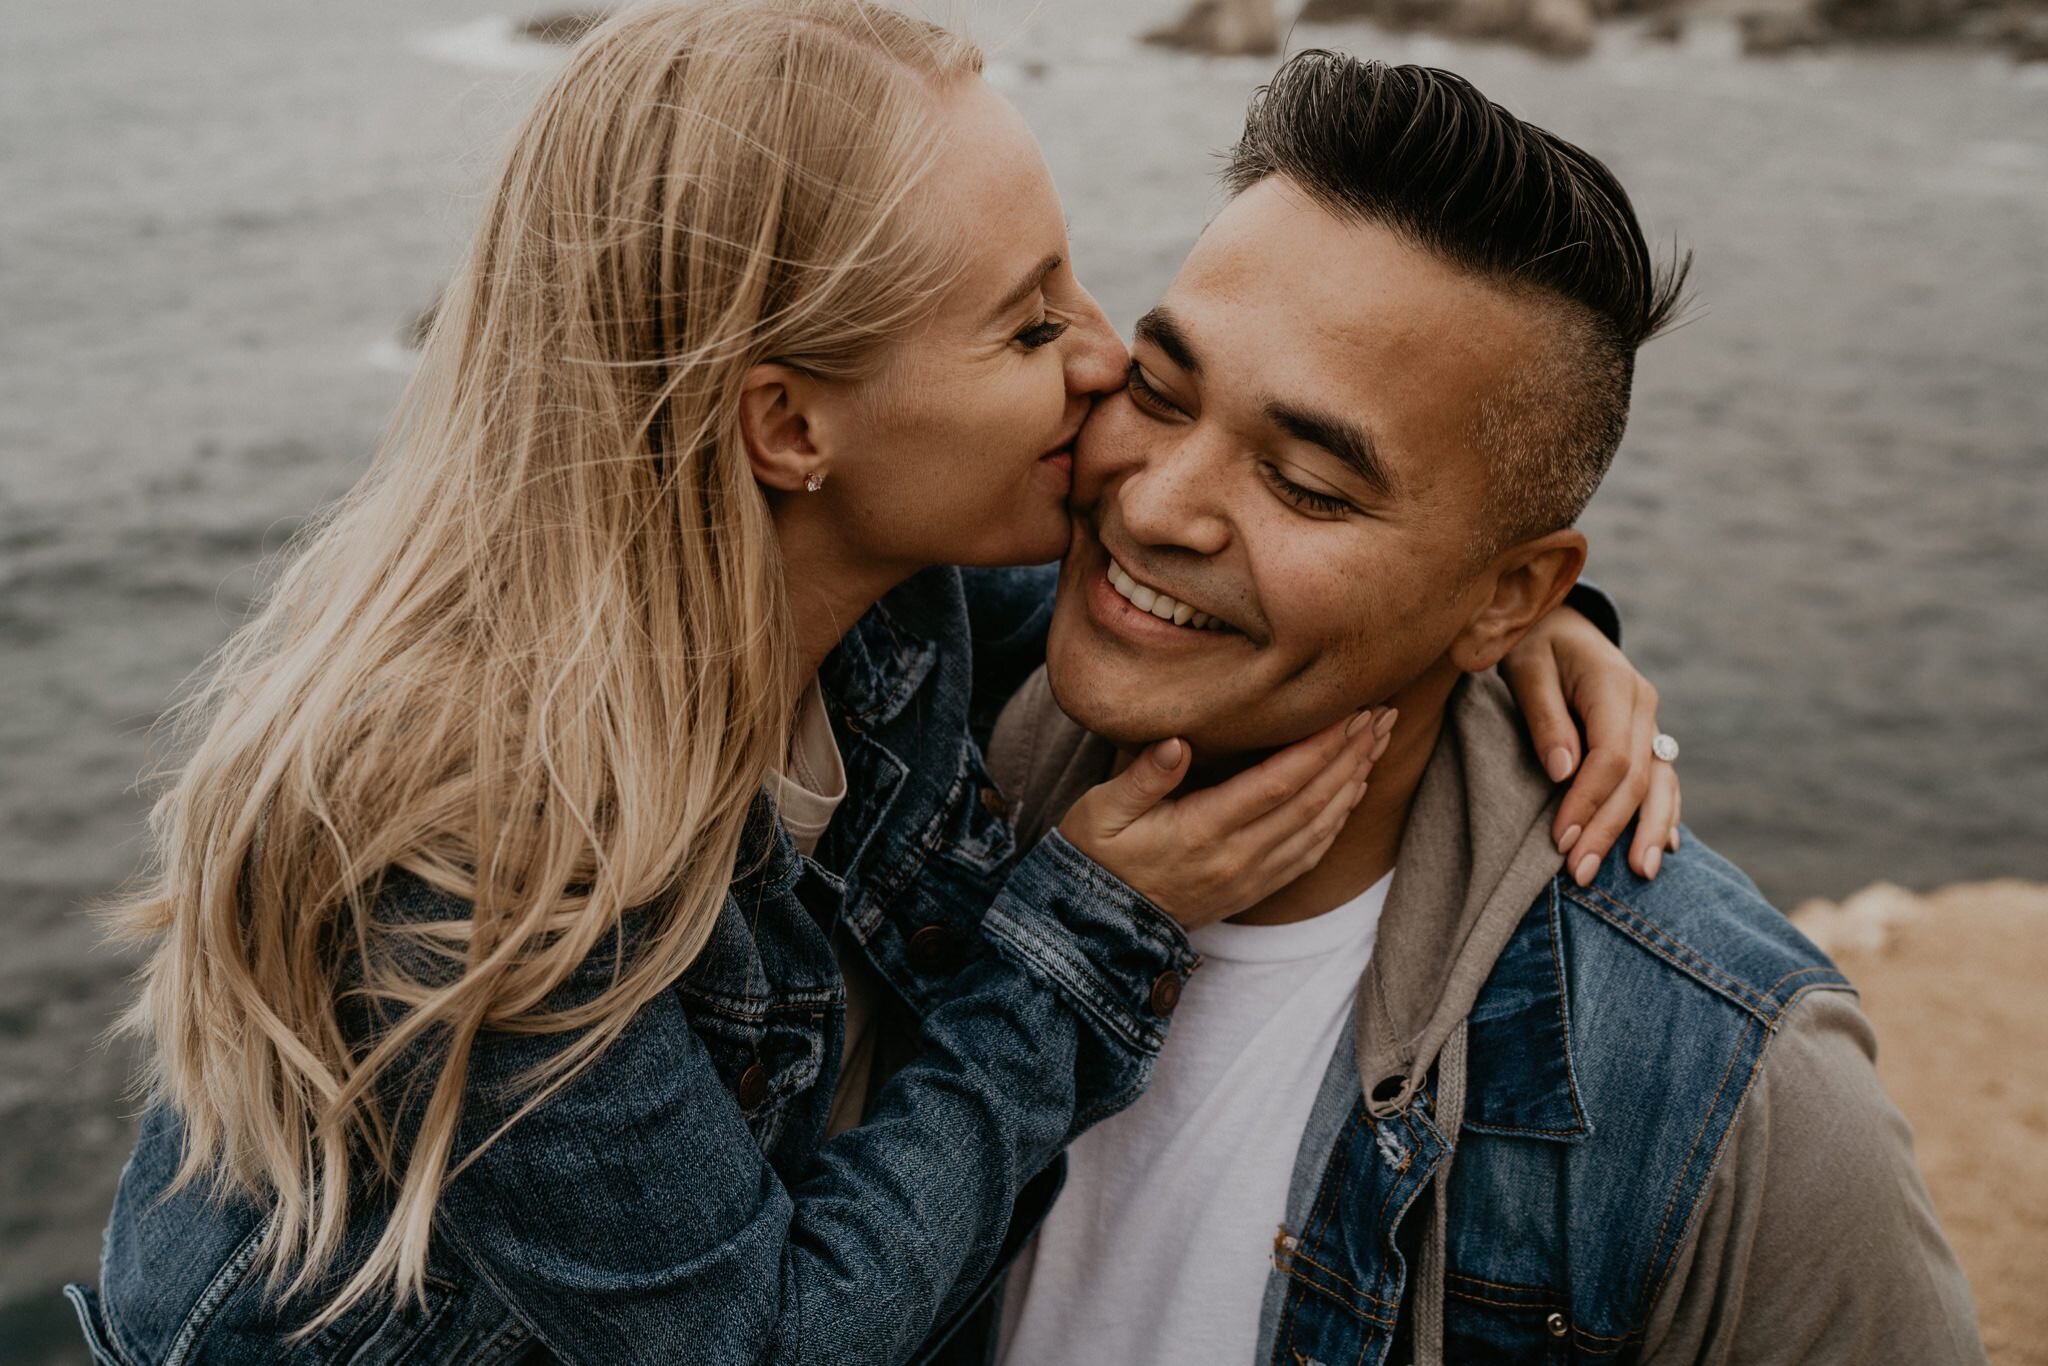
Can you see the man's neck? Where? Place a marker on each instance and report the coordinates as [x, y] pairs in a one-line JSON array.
[[1365, 850]]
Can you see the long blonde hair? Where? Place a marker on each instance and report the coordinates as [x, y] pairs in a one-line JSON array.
[[541, 657]]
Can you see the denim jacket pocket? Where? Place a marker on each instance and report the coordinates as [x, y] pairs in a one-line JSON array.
[[767, 1053], [1494, 1321], [973, 826]]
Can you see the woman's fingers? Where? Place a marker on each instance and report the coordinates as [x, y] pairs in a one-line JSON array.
[[1583, 858], [1305, 846], [1531, 672], [1230, 806], [1656, 822], [1279, 825], [1608, 706], [1143, 785]]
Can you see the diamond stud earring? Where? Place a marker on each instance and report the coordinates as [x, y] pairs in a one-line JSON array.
[[813, 482]]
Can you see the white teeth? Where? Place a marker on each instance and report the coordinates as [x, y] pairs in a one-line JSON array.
[[1157, 603]]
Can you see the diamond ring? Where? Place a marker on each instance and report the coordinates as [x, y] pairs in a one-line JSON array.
[[1665, 748]]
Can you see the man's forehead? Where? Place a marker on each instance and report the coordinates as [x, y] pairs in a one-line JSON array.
[[1280, 293]]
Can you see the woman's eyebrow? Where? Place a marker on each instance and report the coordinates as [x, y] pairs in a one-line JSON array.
[[1027, 286]]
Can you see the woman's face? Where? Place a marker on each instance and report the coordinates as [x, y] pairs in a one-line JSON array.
[[965, 444]]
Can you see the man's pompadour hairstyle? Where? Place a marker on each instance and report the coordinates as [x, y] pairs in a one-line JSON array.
[[1422, 153]]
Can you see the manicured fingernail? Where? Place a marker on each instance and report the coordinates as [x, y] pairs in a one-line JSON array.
[[1674, 839], [1379, 747], [1358, 796], [1652, 861], [1167, 755], [1558, 764], [1568, 838], [1385, 725], [1588, 866], [1358, 722]]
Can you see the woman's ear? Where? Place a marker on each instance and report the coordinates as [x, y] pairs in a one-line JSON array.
[[1528, 581], [785, 427]]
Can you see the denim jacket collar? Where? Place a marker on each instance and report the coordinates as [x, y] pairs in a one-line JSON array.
[[879, 665]]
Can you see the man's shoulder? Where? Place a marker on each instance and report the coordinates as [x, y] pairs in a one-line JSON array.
[[1701, 922]]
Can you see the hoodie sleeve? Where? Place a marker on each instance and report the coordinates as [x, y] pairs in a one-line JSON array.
[[1817, 1242]]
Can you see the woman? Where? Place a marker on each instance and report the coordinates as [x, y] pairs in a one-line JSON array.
[[495, 1014]]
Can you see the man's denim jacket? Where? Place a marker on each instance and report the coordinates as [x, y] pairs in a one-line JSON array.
[[678, 1201]]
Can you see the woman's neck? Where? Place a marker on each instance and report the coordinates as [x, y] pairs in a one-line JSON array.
[[830, 588]]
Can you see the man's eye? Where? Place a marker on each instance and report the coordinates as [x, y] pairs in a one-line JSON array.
[[1043, 333], [1146, 396], [1308, 500]]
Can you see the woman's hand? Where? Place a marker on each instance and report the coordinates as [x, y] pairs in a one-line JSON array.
[[1207, 856], [1566, 667]]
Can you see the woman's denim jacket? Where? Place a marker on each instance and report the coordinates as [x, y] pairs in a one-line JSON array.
[[678, 1200]]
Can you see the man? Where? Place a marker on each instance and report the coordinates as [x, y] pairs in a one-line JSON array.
[[1441, 1099]]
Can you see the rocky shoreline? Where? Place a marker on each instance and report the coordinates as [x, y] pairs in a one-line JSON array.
[[1567, 28]]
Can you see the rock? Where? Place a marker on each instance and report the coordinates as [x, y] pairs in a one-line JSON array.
[[1866, 923], [2024, 35], [1222, 28], [1559, 28], [564, 27], [1339, 11], [1781, 31]]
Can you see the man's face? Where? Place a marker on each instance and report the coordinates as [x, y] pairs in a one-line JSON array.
[[1293, 458]]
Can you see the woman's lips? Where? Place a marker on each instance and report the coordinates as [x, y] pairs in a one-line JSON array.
[[1059, 469]]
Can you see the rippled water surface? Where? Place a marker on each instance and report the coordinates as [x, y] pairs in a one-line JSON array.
[[1826, 527]]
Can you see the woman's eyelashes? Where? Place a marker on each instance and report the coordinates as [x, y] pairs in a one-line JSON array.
[[1044, 332]]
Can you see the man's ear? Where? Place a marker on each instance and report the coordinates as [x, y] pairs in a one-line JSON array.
[[1528, 581], [787, 426]]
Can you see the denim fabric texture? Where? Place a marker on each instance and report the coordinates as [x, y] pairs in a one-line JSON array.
[[1609, 1055], [678, 1200]]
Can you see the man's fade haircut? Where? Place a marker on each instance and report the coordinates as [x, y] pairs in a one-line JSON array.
[[1421, 153]]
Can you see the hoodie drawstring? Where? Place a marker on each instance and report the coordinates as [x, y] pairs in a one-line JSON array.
[[1429, 1289]]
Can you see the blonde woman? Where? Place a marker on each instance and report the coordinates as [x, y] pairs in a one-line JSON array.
[[583, 926]]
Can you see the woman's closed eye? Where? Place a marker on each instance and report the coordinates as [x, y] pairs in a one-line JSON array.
[[1044, 332]]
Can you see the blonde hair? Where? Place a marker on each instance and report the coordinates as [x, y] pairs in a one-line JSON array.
[[541, 657]]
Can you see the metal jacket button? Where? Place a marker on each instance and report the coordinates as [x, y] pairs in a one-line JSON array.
[[1166, 992], [1557, 1326], [931, 949], [753, 1088]]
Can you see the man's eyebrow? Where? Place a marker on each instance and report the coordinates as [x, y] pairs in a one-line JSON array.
[[1027, 286], [1345, 440], [1164, 331]]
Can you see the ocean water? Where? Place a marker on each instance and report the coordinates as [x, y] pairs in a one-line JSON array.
[[1826, 527]]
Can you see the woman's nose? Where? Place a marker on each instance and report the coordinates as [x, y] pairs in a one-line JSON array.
[[1096, 359]]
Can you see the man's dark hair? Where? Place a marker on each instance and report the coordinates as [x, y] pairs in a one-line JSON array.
[[1420, 152]]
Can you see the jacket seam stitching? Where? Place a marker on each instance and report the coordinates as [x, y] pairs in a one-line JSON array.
[[1692, 1153], [1687, 956]]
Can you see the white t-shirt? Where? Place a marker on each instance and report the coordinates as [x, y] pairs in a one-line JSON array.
[[806, 797], [1159, 1246]]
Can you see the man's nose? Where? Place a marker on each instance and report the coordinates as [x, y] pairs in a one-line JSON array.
[[1172, 498], [1095, 357]]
